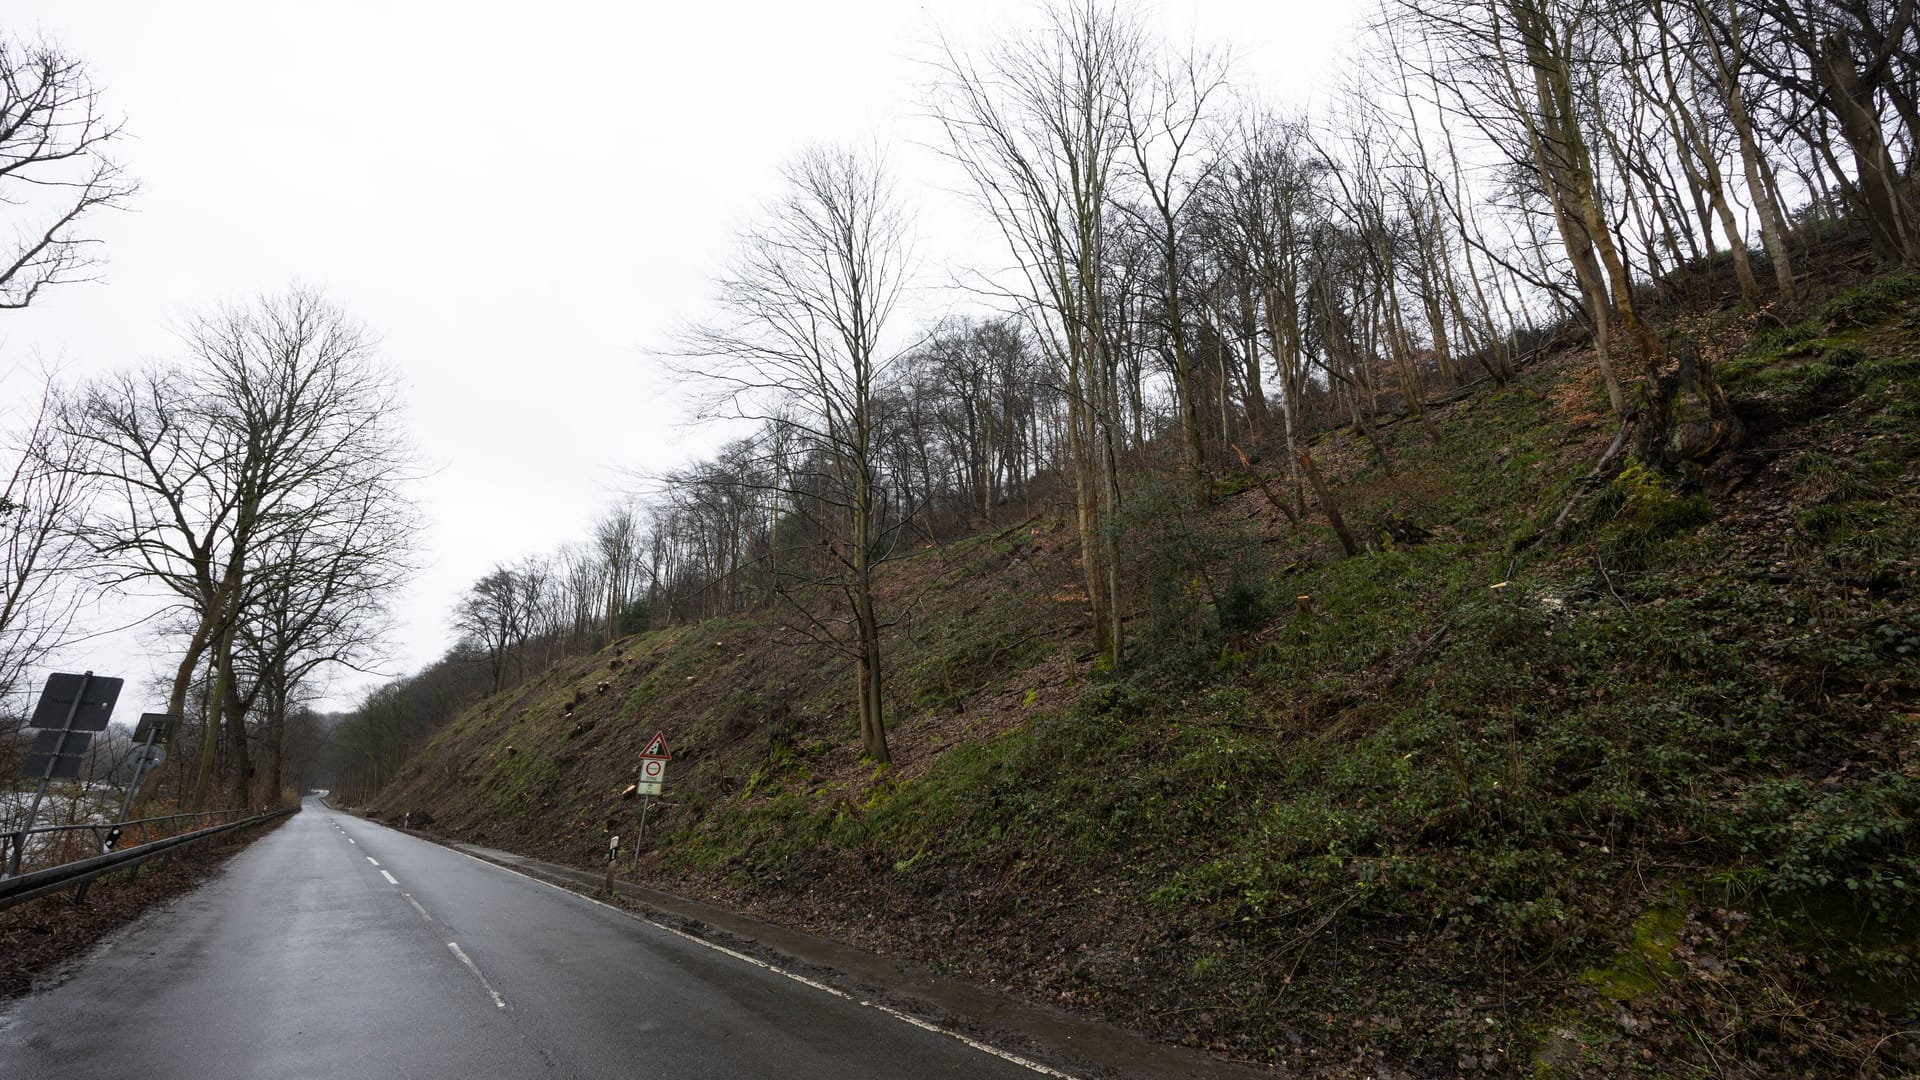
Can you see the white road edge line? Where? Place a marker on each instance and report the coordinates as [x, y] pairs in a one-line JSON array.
[[895, 1013], [498, 1001], [801, 979], [390, 878]]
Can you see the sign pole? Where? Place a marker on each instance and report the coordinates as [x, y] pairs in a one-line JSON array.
[[33, 808], [126, 804], [646, 803], [109, 837]]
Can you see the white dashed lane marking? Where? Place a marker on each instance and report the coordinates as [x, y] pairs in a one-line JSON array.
[[498, 1001]]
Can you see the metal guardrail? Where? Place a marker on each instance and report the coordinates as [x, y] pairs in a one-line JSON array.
[[106, 835], [38, 883]]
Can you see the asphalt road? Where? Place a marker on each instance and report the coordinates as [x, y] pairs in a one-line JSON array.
[[334, 947]]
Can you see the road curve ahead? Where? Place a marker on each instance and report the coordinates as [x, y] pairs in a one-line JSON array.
[[334, 947]]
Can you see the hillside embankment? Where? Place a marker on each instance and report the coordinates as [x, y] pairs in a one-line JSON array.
[[1631, 797]]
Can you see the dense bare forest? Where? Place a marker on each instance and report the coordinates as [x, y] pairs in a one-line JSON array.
[[1202, 280]]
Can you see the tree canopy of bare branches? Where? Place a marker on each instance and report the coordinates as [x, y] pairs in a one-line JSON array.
[[801, 344], [267, 464], [55, 167], [41, 497]]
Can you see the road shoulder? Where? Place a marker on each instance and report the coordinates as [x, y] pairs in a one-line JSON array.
[[1084, 1047]]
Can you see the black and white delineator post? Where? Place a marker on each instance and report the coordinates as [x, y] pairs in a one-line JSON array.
[[70, 710], [653, 777]]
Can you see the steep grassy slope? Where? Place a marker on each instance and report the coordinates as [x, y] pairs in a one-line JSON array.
[[1638, 798]]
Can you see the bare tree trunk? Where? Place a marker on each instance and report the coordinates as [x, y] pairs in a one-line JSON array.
[[1328, 505], [1878, 182], [1703, 168], [873, 727], [1086, 502], [222, 647], [1254, 393], [1397, 345], [1552, 98], [276, 742], [1286, 360]]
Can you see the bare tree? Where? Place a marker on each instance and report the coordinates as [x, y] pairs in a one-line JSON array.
[[41, 496], [1260, 200], [1851, 65], [1038, 124], [497, 617], [54, 167], [976, 380], [319, 600], [204, 469], [1168, 113], [1540, 79], [617, 536], [584, 582], [801, 343]]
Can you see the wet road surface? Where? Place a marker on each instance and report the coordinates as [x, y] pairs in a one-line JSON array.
[[335, 947]]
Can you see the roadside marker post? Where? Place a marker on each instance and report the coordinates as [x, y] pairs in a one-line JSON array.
[[653, 777], [613, 856]]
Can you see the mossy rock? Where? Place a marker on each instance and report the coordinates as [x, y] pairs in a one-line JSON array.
[[1648, 962]]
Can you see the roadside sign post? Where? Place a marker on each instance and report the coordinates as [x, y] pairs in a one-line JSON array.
[[70, 710], [653, 777], [154, 729], [633, 865]]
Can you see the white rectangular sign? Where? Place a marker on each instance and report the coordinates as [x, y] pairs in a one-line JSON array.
[[653, 773]]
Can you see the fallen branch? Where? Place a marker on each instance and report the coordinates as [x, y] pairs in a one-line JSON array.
[[1602, 471], [1608, 578], [1328, 505], [1266, 488]]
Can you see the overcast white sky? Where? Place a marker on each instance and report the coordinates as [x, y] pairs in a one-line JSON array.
[[518, 200]]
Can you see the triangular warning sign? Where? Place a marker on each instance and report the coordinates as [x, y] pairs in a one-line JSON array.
[[657, 746]]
